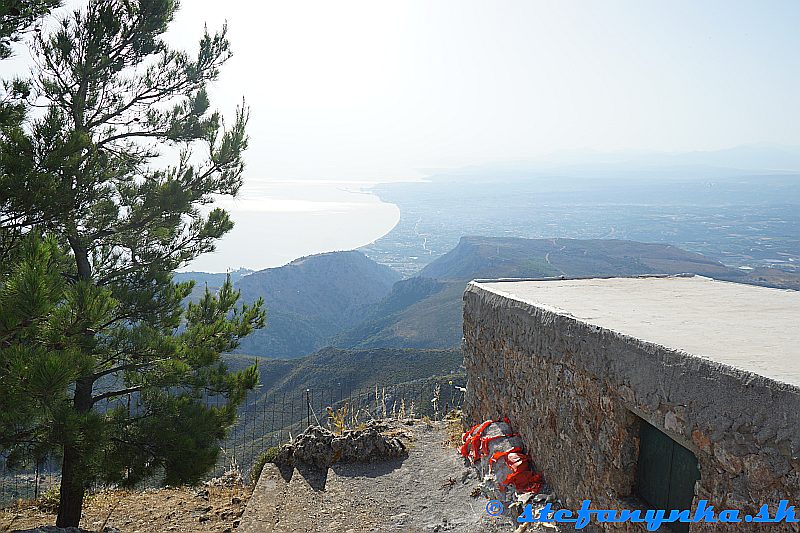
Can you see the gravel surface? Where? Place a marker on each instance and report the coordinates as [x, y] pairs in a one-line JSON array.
[[429, 491]]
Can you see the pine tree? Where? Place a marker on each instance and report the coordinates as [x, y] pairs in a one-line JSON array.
[[16, 16], [99, 360]]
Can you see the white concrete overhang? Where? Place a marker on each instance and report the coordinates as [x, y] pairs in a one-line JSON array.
[[750, 328]]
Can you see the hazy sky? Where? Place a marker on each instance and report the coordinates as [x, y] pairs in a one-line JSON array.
[[378, 90]]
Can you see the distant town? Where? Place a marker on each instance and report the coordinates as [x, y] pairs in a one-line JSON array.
[[735, 220]]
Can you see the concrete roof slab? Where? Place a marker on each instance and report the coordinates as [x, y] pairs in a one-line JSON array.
[[755, 329]]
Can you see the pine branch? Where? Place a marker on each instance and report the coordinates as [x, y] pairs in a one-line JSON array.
[[114, 394], [128, 367]]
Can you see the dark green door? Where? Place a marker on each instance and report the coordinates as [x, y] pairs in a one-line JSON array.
[[666, 472]]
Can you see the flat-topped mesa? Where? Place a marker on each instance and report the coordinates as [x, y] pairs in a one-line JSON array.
[[648, 392]]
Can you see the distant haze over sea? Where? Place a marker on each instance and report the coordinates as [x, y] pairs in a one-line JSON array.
[[278, 221]]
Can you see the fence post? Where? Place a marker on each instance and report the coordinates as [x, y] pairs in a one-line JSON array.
[[308, 408]]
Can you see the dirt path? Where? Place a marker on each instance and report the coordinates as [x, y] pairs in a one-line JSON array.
[[429, 491]]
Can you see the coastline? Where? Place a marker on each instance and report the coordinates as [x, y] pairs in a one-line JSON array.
[[277, 222]]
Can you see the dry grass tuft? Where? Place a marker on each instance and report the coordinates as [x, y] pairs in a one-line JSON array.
[[454, 426]]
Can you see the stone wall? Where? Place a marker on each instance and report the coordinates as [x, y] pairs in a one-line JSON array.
[[575, 392]]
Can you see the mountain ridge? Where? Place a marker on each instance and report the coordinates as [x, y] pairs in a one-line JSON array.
[[308, 300], [346, 300], [434, 320]]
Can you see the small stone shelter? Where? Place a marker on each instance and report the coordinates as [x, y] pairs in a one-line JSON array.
[[647, 392]]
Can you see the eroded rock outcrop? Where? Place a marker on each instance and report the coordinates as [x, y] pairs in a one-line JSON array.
[[321, 448]]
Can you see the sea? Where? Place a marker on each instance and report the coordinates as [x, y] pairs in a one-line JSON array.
[[278, 221]]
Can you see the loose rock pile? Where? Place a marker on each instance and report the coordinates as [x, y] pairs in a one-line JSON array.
[[231, 478], [321, 448]]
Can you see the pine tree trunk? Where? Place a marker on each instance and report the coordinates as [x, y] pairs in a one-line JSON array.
[[71, 502], [73, 478]]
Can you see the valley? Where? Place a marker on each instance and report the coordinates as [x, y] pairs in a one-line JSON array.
[[346, 300]]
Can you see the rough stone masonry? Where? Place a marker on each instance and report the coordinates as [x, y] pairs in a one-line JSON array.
[[577, 364]]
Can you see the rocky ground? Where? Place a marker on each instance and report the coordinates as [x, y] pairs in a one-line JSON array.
[[402, 476], [429, 489], [204, 509]]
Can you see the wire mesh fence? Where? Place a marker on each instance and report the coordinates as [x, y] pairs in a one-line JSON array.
[[28, 483], [274, 418]]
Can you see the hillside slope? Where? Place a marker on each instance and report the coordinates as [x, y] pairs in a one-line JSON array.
[[311, 299], [431, 321], [346, 370]]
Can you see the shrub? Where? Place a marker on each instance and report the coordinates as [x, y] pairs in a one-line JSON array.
[[267, 456]]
